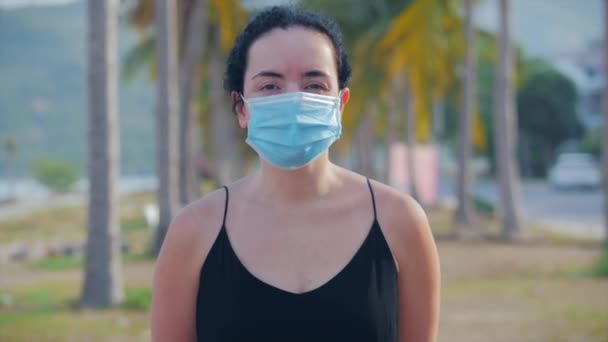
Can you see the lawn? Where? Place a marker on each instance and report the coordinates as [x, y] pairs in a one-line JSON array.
[[491, 291]]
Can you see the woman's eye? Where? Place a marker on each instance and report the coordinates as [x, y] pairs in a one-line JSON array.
[[315, 86], [269, 87]]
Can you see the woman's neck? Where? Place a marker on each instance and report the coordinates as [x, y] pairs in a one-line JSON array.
[[295, 186]]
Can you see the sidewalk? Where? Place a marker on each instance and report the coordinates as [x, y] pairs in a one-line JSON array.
[[584, 229]]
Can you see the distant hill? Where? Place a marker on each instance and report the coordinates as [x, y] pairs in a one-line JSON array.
[[43, 90]]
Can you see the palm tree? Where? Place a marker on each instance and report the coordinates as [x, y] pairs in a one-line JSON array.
[[228, 16], [464, 212], [364, 142], [410, 138], [393, 99], [412, 40], [421, 43], [363, 26], [168, 111], [605, 123], [504, 127], [222, 123], [103, 285], [193, 48]]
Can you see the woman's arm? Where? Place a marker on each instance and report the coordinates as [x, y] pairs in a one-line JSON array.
[[175, 284], [177, 272], [411, 241], [419, 279]]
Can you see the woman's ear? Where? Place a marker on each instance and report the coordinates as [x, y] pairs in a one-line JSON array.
[[240, 109], [344, 97]]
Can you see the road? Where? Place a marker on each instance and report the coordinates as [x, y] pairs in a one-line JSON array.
[[576, 213]]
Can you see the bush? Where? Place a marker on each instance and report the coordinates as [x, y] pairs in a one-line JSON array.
[[138, 299], [601, 268], [591, 142], [56, 175], [483, 205]]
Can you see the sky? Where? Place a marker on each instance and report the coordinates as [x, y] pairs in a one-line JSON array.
[[23, 3], [544, 28]]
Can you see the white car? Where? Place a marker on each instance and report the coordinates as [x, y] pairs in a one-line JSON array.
[[575, 170]]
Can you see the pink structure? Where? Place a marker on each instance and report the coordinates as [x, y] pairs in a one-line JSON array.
[[426, 167]]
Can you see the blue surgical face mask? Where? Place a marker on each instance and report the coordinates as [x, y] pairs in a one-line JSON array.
[[291, 130]]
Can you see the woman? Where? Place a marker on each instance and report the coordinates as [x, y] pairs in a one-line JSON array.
[[300, 250]]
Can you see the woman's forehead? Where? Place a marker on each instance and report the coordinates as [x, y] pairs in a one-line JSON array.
[[292, 50]]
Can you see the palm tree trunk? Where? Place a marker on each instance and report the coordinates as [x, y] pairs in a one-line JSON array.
[[222, 122], [103, 285], [194, 43], [168, 111], [391, 128], [365, 138], [438, 119], [605, 126], [504, 127], [410, 137], [357, 150], [464, 212]]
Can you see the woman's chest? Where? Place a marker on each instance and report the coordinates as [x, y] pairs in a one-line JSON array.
[[360, 304], [296, 253]]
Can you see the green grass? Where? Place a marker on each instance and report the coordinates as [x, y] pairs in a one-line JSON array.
[[59, 263], [480, 281], [522, 302], [536, 307], [581, 314], [54, 297], [69, 223], [138, 299], [133, 224], [48, 311], [40, 298], [597, 270], [62, 263]]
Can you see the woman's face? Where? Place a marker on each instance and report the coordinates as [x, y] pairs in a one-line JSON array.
[[286, 61]]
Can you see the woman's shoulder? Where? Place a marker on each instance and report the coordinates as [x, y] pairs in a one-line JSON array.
[[396, 204], [396, 210], [201, 213], [195, 226], [403, 221]]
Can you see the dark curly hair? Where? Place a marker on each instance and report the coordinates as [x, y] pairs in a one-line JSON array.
[[282, 17]]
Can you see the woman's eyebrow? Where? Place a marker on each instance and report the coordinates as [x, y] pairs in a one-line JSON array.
[[267, 73], [315, 73]]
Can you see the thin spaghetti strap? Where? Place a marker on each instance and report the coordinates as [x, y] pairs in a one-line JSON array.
[[225, 207], [369, 184]]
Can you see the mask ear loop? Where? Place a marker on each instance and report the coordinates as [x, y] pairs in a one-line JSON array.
[[340, 105], [237, 102], [339, 114], [243, 98]]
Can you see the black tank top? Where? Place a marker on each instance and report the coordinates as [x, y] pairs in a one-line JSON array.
[[358, 304]]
